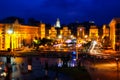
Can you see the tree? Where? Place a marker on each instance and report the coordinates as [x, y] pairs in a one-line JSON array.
[[46, 41], [12, 20], [33, 22], [37, 42]]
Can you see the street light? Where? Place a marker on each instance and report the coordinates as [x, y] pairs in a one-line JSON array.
[[117, 62], [60, 38], [10, 31], [76, 47]]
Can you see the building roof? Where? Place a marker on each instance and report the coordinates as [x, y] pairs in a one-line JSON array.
[[106, 26], [116, 19], [93, 27]]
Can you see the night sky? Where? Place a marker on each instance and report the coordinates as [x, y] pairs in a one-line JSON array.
[[100, 11]]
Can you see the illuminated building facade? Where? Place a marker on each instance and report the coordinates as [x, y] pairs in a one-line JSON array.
[[65, 32], [80, 32], [22, 35], [57, 23], [115, 33], [52, 33], [42, 31], [59, 33], [93, 32], [106, 31]]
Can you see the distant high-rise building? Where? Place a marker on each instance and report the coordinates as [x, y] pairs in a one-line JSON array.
[[57, 25], [115, 33], [80, 32], [93, 32]]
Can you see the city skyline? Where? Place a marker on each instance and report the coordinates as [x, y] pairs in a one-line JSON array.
[[67, 11]]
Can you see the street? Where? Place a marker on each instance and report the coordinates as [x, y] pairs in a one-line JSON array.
[[103, 70]]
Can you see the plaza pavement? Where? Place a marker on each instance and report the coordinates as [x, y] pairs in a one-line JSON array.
[[38, 72]]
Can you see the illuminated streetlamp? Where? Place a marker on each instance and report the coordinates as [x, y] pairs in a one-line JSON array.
[[10, 31], [86, 36], [8, 65], [80, 29], [60, 38]]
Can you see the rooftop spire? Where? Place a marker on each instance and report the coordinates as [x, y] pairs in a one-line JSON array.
[[57, 23]]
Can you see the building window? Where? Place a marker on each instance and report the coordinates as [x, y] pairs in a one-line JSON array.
[[118, 25]]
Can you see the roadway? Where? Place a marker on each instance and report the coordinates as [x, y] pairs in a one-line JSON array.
[[103, 69]]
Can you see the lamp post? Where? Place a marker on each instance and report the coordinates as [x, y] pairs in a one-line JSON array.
[[10, 31], [117, 62], [60, 38], [8, 65], [76, 47], [85, 37]]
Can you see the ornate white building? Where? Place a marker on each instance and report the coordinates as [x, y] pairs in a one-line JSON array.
[[57, 25]]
